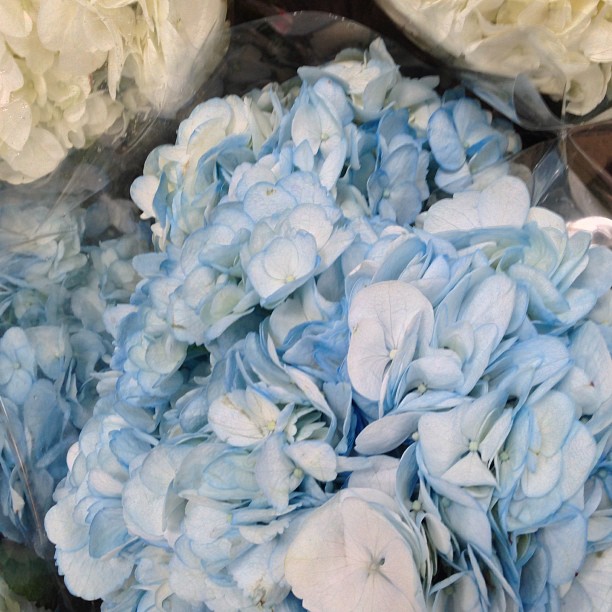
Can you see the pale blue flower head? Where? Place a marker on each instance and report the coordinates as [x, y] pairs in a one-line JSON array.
[[49, 365], [18, 367], [242, 487], [298, 233], [553, 560], [397, 187], [318, 120], [463, 142], [559, 272], [293, 337], [367, 77], [182, 182], [460, 445], [94, 550], [40, 241], [546, 460]]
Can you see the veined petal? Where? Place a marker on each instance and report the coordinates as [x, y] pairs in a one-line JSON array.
[[349, 555], [243, 418], [379, 317], [444, 141], [315, 457]]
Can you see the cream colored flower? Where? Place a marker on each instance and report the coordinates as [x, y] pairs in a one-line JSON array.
[[74, 70], [14, 19], [565, 46], [183, 40]]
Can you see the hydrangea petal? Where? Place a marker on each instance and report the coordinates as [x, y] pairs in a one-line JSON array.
[[592, 585], [243, 418], [387, 433], [348, 556], [316, 458], [92, 578], [379, 317], [444, 141], [566, 547], [276, 474]]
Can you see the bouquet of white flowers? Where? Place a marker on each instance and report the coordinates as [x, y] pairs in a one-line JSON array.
[[74, 71], [564, 47]]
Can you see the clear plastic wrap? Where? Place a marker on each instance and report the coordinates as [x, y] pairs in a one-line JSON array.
[[74, 74], [544, 65], [73, 233], [570, 174]]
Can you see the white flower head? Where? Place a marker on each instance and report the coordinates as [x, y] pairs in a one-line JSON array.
[[74, 71], [563, 45]]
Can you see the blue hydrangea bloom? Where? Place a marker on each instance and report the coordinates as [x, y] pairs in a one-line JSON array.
[[58, 279], [321, 396]]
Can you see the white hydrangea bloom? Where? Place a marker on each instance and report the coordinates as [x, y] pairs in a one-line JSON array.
[[74, 71], [564, 45]]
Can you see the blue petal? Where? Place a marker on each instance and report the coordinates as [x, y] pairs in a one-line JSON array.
[[444, 141]]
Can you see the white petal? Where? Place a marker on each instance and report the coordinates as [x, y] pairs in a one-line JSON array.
[[566, 545], [314, 457], [349, 556], [595, 582], [470, 471], [386, 434], [242, 418], [504, 203], [91, 578], [458, 213], [441, 441], [380, 317], [276, 474]]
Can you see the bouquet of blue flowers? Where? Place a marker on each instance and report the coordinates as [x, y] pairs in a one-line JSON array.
[[357, 370], [58, 279]]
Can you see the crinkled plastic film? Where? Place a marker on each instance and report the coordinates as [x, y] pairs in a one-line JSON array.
[[517, 96], [273, 48], [569, 174], [52, 234], [52, 229]]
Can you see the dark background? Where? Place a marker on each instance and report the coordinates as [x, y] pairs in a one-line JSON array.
[[364, 11]]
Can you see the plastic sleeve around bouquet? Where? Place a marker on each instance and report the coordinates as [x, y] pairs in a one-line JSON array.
[[66, 245], [65, 252], [74, 75], [571, 176], [75, 127], [544, 69], [288, 380], [271, 49]]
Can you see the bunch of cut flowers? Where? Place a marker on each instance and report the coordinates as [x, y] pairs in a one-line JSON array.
[[319, 395], [564, 46], [74, 72]]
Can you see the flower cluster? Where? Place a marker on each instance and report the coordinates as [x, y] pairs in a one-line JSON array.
[[56, 285], [73, 71], [321, 397], [564, 45]]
